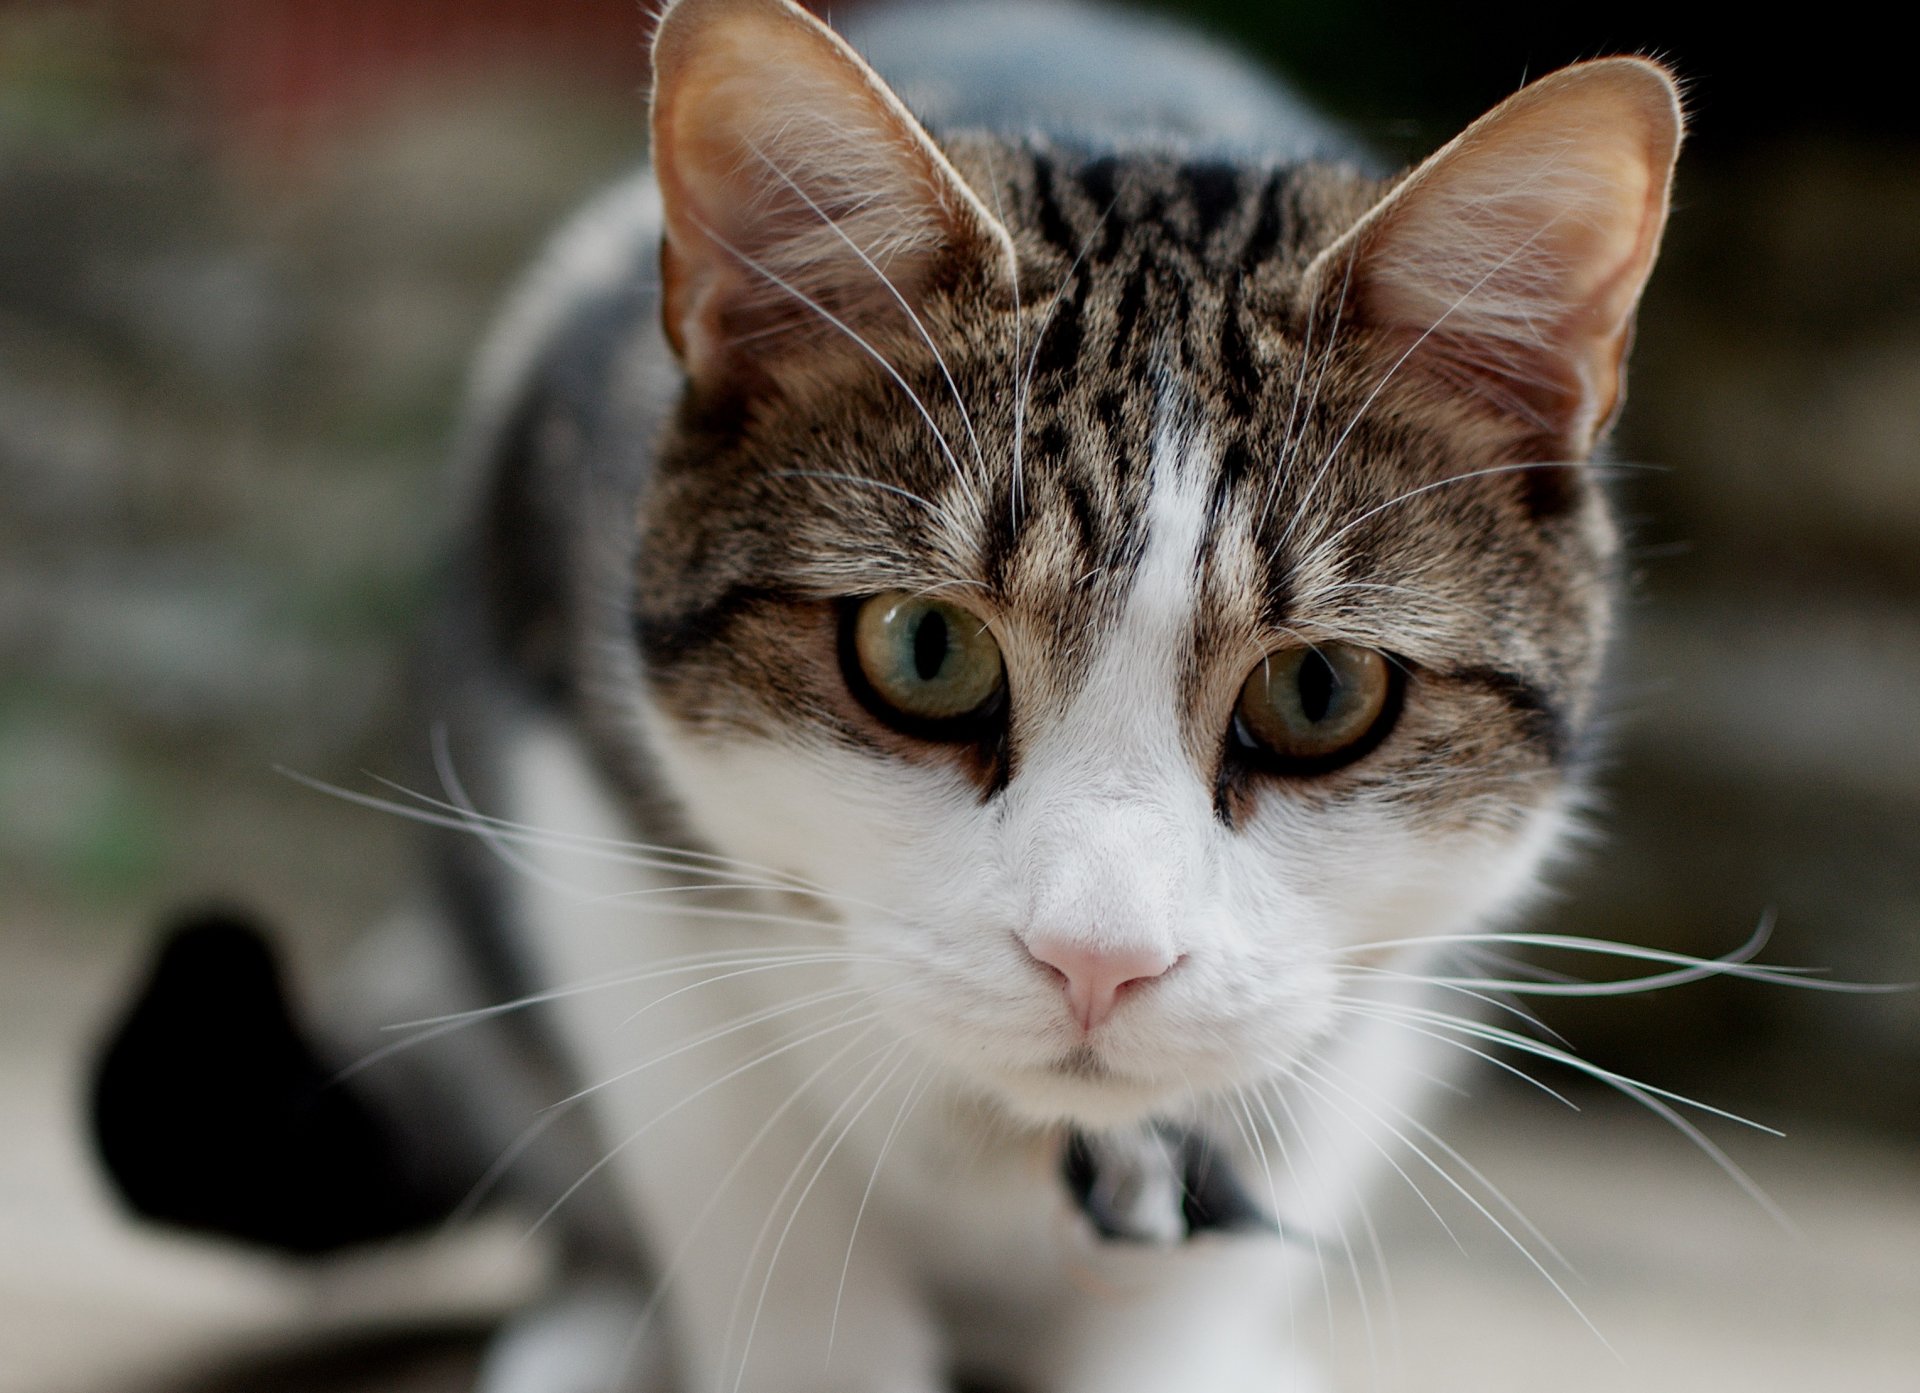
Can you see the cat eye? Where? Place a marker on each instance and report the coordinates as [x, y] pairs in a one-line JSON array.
[[1309, 710], [922, 665]]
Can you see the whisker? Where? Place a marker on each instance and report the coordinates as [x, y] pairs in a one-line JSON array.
[[669, 967], [1326, 544], [1354, 1188], [757, 1017], [501, 841], [915, 1092], [1017, 494], [1320, 1100], [1293, 1173], [939, 513], [751, 970], [946, 448], [500, 837], [871, 1021], [1249, 1131], [1657, 1100], [1296, 423], [1466, 1194], [1473, 1173], [793, 1213], [782, 880], [1499, 1035], [1025, 390], [1361, 1006], [920, 327], [1409, 592], [1340, 441], [680, 1255], [694, 859], [1735, 963], [1474, 989]]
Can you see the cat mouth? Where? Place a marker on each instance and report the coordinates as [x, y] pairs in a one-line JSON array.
[[1080, 1086]]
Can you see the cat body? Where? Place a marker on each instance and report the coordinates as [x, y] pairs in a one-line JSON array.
[[859, 690]]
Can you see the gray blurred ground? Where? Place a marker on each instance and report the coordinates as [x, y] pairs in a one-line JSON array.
[[224, 390]]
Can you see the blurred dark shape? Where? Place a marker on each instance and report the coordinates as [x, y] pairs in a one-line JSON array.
[[212, 1111], [438, 1360], [1411, 74]]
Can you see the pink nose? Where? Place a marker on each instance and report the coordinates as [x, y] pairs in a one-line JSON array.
[[1095, 978]]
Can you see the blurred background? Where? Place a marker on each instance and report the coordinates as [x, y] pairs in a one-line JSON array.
[[246, 250]]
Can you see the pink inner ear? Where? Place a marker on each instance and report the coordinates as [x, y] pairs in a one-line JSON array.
[[1513, 259], [804, 206]]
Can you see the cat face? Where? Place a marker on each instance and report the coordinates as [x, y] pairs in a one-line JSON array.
[[1145, 604]]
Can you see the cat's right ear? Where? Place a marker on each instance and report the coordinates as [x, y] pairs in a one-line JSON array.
[[806, 210]]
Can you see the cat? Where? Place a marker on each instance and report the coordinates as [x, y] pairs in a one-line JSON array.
[[1006, 615]]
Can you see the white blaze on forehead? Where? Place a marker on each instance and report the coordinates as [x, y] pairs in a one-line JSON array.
[[1128, 705], [1159, 609], [1108, 818]]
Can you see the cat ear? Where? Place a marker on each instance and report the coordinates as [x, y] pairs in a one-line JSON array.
[[1509, 264], [798, 192]]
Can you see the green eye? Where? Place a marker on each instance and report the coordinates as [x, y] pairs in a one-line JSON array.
[[925, 666], [1314, 709]]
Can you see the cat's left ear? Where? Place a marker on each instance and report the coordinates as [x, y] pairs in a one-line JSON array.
[[806, 210], [1509, 264]]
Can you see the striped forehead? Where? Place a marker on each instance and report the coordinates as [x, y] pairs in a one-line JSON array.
[[1101, 646]]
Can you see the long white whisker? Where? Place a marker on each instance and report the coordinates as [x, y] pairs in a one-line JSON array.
[[1250, 1132], [1471, 988], [669, 857], [669, 967], [707, 1037], [1326, 544], [886, 366], [1494, 1034], [497, 831], [1286, 1159], [750, 970], [1736, 963], [1277, 1085], [1473, 1173], [870, 1021], [1320, 1100], [450, 780], [915, 1092], [1657, 1100], [1297, 418], [1362, 1006], [665, 1280], [920, 327], [1466, 1194], [940, 515], [1024, 394], [793, 1213], [1340, 441], [1016, 495]]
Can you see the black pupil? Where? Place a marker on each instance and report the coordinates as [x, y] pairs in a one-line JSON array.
[[1317, 684], [930, 645]]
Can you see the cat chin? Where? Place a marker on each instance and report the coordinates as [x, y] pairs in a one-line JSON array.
[[1083, 1098]]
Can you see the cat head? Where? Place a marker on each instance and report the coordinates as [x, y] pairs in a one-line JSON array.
[[1144, 589]]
